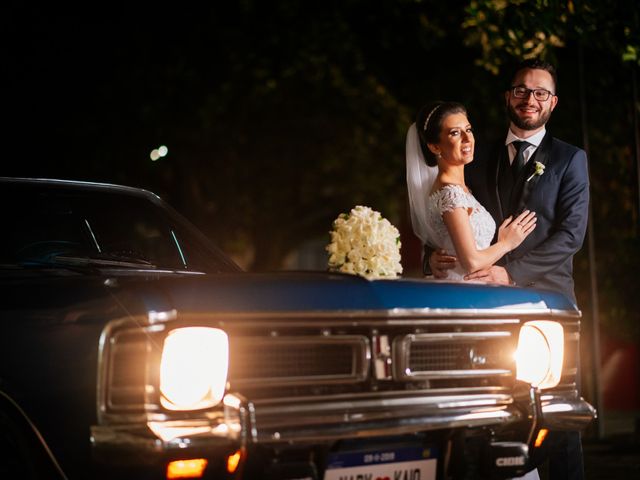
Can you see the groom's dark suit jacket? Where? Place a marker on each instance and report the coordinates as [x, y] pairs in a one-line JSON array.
[[559, 197]]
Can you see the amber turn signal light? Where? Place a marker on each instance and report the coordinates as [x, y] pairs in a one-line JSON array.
[[191, 468], [233, 461], [542, 434]]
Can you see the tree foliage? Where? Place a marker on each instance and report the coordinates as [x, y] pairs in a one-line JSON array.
[[595, 45], [293, 130], [279, 115], [518, 29], [507, 29]]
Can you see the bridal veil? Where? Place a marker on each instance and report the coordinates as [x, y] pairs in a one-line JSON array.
[[420, 179]]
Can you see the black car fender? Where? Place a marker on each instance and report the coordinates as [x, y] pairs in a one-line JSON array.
[[23, 451]]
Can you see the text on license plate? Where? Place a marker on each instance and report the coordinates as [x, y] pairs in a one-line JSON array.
[[403, 463]]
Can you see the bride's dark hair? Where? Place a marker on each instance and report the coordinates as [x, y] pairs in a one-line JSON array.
[[429, 125]]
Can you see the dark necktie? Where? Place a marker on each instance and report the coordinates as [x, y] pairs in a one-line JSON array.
[[518, 160]]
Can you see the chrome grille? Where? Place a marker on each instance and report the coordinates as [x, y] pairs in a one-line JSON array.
[[127, 374], [440, 357], [270, 360], [330, 363], [273, 361], [453, 355], [571, 354]]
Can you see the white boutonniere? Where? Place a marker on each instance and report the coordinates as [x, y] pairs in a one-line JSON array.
[[364, 243], [538, 171]]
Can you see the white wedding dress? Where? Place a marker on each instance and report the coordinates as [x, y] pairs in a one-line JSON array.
[[446, 199], [427, 209], [483, 227]]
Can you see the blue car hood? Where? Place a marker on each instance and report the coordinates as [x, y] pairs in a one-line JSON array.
[[337, 292]]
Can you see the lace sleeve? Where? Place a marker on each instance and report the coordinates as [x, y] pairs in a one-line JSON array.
[[451, 197]]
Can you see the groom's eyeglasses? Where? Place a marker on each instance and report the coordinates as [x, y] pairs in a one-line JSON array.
[[539, 94]]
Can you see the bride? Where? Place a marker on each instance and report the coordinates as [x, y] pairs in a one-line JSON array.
[[444, 213]]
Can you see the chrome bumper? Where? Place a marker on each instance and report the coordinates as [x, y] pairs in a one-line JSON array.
[[560, 413], [309, 421]]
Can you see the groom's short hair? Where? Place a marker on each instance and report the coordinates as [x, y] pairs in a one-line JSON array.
[[535, 64]]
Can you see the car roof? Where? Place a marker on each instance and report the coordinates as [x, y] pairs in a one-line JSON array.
[[80, 184]]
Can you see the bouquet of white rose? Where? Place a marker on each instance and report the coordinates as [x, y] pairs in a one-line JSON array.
[[364, 243]]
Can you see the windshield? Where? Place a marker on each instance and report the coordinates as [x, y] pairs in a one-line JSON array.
[[58, 224]]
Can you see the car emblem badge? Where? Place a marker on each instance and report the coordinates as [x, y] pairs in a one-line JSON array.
[[381, 356], [476, 360]]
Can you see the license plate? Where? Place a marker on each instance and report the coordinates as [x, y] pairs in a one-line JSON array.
[[397, 463]]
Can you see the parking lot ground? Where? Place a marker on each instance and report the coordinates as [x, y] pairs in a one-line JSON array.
[[614, 456]]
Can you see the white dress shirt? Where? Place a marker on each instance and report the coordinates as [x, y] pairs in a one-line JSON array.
[[534, 140]]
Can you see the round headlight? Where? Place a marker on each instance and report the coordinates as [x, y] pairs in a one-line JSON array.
[[193, 368], [540, 353]]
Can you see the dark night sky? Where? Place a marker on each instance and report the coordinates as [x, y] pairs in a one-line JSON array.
[[77, 80], [102, 82]]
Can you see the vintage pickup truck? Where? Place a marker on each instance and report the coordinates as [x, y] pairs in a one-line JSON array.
[[131, 347]]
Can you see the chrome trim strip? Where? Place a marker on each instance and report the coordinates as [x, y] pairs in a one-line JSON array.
[[453, 336], [444, 374], [384, 395], [396, 316], [391, 317]]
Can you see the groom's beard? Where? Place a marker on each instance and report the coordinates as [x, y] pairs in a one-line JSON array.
[[528, 124]]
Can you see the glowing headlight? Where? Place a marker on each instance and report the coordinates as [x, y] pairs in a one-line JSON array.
[[540, 353], [193, 369]]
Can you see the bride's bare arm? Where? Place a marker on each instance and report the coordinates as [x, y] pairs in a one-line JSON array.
[[510, 235]]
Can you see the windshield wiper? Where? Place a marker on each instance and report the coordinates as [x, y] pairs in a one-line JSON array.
[[104, 260]]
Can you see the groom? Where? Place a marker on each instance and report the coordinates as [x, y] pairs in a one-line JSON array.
[[531, 169]]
